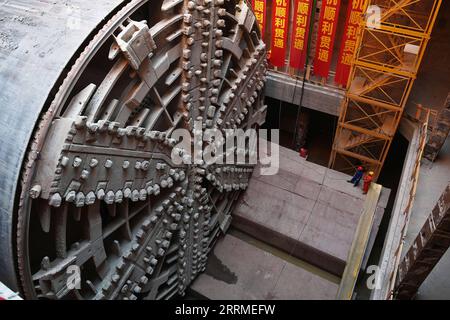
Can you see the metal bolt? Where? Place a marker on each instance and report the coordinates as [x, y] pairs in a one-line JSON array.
[[84, 174], [45, 263], [35, 192], [77, 162], [108, 163], [93, 163], [138, 165], [64, 161]]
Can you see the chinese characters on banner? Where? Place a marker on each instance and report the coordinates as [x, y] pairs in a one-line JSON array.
[[280, 21], [348, 44], [259, 7], [300, 33], [328, 21]]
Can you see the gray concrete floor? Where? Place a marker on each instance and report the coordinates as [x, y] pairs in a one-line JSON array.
[[240, 270], [433, 179]]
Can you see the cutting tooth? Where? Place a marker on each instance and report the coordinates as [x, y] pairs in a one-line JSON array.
[[35, 191], [70, 196], [55, 200], [109, 197], [135, 195], [118, 196], [79, 199], [45, 263], [90, 198], [143, 195], [101, 194]]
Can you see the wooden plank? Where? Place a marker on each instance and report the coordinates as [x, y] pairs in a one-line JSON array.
[[359, 244]]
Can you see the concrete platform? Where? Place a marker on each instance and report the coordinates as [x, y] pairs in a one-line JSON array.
[[239, 270], [307, 210]]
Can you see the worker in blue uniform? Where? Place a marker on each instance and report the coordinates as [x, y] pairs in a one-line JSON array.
[[357, 176]]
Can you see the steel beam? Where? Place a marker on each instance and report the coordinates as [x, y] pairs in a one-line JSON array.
[[427, 249], [386, 61], [287, 89], [439, 133]]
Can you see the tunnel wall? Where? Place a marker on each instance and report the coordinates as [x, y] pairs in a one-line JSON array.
[[38, 39]]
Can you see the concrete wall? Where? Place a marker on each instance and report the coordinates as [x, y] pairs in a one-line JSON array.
[[324, 99], [399, 220]]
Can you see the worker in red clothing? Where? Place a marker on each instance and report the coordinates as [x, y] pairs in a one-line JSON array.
[[367, 181], [303, 152]]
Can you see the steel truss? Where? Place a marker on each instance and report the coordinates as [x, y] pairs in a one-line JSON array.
[[384, 68], [427, 249]]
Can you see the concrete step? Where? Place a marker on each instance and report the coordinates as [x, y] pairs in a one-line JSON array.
[[307, 210], [239, 270], [291, 235]]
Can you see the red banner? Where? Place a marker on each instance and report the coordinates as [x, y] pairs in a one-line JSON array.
[[259, 8], [299, 39], [329, 14], [348, 43], [280, 16]]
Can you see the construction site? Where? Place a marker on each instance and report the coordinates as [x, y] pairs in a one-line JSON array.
[[106, 192]]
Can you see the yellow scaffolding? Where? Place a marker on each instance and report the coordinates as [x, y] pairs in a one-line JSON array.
[[383, 72]]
